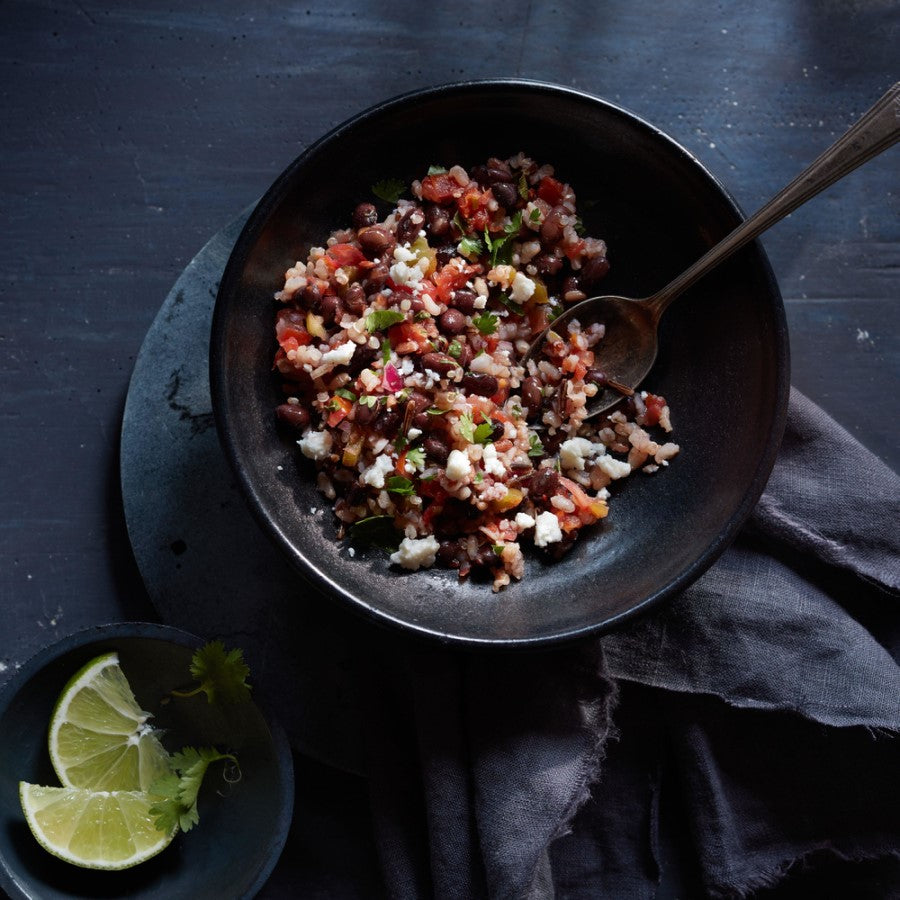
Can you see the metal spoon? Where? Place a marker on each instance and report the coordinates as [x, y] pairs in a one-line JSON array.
[[629, 345]]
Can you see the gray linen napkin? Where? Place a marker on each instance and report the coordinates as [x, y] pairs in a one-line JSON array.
[[769, 690]]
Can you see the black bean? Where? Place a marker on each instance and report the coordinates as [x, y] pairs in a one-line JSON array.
[[544, 484], [597, 376], [497, 431], [594, 270], [548, 264], [498, 170], [448, 554], [293, 414], [387, 423], [464, 301], [437, 221], [376, 241], [466, 354], [410, 225], [332, 309], [551, 227], [571, 290], [419, 401], [436, 450], [444, 255], [439, 362], [364, 216], [312, 296], [479, 173], [364, 414], [505, 194], [486, 559], [377, 278], [355, 298], [531, 396], [452, 321], [362, 358], [482, 385]]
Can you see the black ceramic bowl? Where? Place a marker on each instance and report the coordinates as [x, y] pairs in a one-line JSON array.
[[723, 361], [232, 851]]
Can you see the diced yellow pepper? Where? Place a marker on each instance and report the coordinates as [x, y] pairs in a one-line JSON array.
[[599, 509], [510, 500], [540, 292], [314, 325], [351, 453], [420, 247]]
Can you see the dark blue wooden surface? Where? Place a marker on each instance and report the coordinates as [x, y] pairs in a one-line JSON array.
[[132, 131]]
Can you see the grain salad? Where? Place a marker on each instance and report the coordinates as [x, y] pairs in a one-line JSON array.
[[400, 347]]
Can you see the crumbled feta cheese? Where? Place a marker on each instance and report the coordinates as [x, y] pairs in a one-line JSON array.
[[315, 444], [374, 475], [341, 355], [546, 530], [524, 521], [522, 288], [458, 465], [574, 451], [413, 433], [403, 254], [416, 553], [613, 467], [492, 465], [482, 364], [406, 274]]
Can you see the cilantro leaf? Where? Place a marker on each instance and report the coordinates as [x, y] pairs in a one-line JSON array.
[[498, 549], [580, 230], [470, 246], [467, 427], [416, 458], [455, 349], [389, 189], [385, 351], [486, 323], [178, 791], [479, 476], [375, 531], [482, 433], [368, 400], [475, 434], [383, 318], [534, 215], [511, 304], [222, 674], [513, 226], [434, 411], [347, 395], [437, 170], [535, 447], [398, 484]]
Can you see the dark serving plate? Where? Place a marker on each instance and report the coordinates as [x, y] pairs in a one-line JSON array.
[[242, 831], [723, 361]]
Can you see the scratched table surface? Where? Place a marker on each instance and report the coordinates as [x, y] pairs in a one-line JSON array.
[[133, 131]]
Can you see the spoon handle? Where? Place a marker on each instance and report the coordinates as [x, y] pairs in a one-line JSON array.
[[877, 130]]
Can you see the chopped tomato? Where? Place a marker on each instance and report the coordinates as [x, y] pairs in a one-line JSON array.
[[573, 251], [450, 278], [343, 255], [441, 188], [655, 405], [473, 207], [340, 409], [289, 330], [410, 332], [550, 190]]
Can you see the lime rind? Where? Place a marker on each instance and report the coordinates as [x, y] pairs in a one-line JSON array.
[[93, 829]]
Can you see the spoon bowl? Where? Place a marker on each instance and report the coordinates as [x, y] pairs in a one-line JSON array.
[[630, 342]]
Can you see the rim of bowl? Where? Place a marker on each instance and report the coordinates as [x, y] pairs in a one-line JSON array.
[[332, 588]]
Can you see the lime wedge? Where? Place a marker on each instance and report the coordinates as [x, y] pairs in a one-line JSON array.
[[93, 829], [99, 737]]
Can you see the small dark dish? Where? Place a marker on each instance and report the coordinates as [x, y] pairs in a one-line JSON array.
[[230, 854], [723, 363]]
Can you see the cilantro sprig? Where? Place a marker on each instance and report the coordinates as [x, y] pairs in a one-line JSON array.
[[222, 674], [178, 791], [389, 189], [475, 434], [486, 323]]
